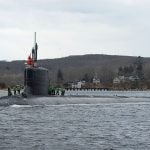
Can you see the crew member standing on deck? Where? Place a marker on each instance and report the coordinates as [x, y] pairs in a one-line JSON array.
[[18, 89], [9, 91], [14, 90]]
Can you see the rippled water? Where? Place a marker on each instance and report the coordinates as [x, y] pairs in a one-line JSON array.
[[106, 126]]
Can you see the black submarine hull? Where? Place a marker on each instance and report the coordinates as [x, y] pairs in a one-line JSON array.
[[32, 100], [11, 100], [63, 100]]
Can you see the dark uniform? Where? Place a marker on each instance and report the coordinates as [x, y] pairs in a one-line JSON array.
[[9, 91]]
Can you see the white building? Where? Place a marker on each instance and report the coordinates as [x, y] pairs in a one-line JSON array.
[[133, 78], [122, 78], [116, 80], [96, 80], [78, 84]]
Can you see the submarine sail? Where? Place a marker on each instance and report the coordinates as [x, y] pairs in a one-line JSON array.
[[36, 79]]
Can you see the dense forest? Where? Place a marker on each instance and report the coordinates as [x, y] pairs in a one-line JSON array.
[[74, 68]]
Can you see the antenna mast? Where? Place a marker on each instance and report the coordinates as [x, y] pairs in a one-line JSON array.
[[35, 48], [34, 39]]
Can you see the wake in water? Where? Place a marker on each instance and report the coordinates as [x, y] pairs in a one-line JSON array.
[[20, 106]]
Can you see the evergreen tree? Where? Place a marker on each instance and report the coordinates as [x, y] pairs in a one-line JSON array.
[[139, 68], [120, 71], [60, 76], [86, 77], [131, 69]]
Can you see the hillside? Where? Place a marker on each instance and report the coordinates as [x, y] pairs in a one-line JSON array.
[[72, 67]]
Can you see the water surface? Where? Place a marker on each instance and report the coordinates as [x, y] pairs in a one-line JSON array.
[[62, 126]]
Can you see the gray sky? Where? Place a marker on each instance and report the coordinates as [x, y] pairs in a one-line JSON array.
[[74, 27]]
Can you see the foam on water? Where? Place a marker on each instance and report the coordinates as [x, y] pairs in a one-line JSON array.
[[20, 106]]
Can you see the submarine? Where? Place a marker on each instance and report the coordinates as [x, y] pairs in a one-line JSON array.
[[36, 85], [36, 81]]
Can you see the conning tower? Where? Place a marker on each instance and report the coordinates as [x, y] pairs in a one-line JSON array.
[[36, 79]]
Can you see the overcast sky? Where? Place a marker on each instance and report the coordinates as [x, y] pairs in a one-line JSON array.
[[74, 27]]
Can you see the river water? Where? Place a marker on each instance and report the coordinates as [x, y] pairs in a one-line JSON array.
[[113, 125]]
